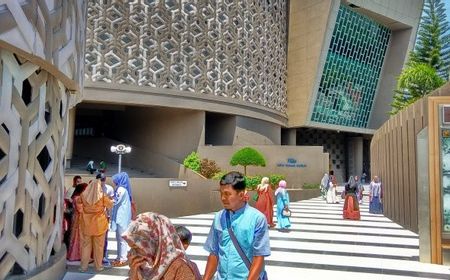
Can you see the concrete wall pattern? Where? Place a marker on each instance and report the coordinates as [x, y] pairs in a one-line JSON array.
[[32, 144], [236, 50], [42, 60], [48, 33]]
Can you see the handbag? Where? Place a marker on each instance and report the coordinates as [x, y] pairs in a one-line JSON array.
[[255, 197], [238, 247], [286, 212]]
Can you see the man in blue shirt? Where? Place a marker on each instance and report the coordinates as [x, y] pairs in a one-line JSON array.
[[251, 231]]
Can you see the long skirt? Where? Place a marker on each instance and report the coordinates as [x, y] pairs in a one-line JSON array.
[[375, 206], [282, 221], [351, 208], [331, 195], [265, 205], [74, 251]]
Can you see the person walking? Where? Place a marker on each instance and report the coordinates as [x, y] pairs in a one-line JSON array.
[[375, 196], [121, 215], [282, 197], [351, 205], [156, 251], [324, 185], [92, 205], [265, 200], [238, 240], [109, 192]]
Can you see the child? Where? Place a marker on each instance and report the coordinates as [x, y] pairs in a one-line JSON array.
[[186, 237]]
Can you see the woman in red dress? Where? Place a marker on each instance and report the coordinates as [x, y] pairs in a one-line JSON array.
[[265, 200], [351, 205]]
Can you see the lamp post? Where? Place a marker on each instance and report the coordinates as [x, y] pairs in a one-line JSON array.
[[120, 149]]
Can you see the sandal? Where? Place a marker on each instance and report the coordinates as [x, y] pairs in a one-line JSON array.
[[118, 263]]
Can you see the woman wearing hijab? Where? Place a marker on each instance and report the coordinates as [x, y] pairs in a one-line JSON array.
[[94, 223], [324, 186], [74, 248], [282, 197], [331, 191], [351, 205], [69, 210], [121, 215], [156, 251], [265, 200], [375, 196]]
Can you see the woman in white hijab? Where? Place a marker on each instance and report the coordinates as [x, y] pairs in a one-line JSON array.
[[331, 192], [324, 186]]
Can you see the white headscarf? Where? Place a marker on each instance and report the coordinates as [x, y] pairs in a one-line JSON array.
[[324, 181], [264, 184]]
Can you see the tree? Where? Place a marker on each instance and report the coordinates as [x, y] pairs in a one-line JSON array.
[[415, 81], [433, 38], [247, 156]]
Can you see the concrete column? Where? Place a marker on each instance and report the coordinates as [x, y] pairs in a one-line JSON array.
[[292, 137], [289, 136], [355, 156], [70, 136]]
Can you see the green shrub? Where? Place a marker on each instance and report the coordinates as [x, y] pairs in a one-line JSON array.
[[307, 186], [192, 161], [247, 156], [252, 181], [208, 168], [275, 179]]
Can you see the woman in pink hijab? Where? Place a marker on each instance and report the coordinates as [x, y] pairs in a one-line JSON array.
[[282, 197]]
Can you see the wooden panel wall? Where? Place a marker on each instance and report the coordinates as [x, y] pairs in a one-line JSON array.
[[393, 159]]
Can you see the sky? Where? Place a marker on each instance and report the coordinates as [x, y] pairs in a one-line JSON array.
[[447, 8]]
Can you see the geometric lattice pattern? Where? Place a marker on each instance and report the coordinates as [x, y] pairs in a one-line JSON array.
[[352, 70], [234, 49], [33, 116], [333, 143], [51, 30]]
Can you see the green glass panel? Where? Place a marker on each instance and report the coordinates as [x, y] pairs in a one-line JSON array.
[[352, 70]]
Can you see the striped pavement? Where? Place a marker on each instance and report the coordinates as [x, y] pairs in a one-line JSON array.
[[320, 245]]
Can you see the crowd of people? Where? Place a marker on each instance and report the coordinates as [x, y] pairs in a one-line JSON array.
[[353, 194], [153, 248]]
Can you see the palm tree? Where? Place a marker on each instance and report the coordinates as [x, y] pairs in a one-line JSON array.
[[433, 38]]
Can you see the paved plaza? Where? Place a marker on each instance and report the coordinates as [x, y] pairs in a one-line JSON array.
[[321, 245]]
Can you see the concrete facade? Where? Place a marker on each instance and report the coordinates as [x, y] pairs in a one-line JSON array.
[[231, 116], [42, 63], [309, 23]]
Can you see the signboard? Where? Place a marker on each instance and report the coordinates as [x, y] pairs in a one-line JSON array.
[[446, 114], [177, 184], [445, 168], [291, 162]]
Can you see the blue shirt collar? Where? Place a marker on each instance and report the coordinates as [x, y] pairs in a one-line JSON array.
[[240, 210]]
